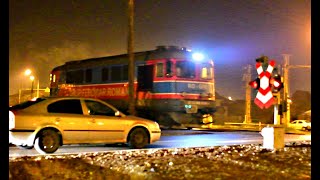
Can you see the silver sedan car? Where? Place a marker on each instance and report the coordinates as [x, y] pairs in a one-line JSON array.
[[50, 122]]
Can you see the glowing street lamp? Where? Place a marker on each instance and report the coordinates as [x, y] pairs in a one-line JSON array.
[[27, 72]]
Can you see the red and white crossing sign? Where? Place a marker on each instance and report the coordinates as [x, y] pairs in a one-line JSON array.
[[264, 97]]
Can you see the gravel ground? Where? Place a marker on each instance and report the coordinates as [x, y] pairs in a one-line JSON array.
[[219, 162]]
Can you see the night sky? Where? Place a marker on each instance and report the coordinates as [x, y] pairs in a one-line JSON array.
[[46, 33]]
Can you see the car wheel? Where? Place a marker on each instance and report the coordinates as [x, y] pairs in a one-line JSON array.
[[138, 138], [47, 141], [24, 147]]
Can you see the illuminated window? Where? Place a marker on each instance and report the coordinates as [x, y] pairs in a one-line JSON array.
[[206, 71]]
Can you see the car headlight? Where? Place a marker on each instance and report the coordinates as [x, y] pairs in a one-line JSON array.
[[157, 125], [11, 120]]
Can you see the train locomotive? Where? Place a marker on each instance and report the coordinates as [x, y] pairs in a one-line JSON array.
[[172, 85]]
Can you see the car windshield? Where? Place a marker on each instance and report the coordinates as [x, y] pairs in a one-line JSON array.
[[25, 104]]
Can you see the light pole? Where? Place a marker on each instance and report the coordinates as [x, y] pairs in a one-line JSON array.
[[287, 115], [32, 81]]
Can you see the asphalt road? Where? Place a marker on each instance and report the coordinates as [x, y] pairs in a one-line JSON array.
[[171, 139]]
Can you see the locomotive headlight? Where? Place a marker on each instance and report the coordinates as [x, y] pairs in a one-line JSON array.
[[188, 106], [198, 56]]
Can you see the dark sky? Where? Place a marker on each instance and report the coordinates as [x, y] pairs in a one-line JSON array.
[[46, 33]]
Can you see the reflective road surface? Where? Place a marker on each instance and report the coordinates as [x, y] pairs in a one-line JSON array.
[[171, 139]]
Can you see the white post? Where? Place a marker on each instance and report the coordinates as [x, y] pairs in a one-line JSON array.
[[275, 114]]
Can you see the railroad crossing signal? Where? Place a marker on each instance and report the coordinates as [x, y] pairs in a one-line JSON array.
[[264, 97], [255, 84], [277, 83]]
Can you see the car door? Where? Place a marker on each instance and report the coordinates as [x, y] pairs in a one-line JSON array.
[[299, 124], [68, 115], [104, 125], [293, 124]]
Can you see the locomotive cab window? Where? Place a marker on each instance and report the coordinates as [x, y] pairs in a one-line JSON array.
[[206, 71], [185, 69], [53, 78], [168, 68]]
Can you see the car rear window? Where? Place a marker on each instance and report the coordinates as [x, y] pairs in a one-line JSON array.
[[25, 104]]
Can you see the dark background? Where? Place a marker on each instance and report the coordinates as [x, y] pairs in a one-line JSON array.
[[46, 33]]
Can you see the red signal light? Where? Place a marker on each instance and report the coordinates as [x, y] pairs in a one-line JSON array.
[[277, 83], [255, 83]]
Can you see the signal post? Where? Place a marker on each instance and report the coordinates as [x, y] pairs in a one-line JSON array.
[[268, 85]]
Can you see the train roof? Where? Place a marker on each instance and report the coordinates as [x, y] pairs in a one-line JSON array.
[[161, 52]]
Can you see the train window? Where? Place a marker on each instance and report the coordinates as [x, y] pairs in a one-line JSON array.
[[105, 74], [75, 77], [168, 68], [125, 72], [88, 75], [116, 73], [185, 69], [206, 71], [159, 70]]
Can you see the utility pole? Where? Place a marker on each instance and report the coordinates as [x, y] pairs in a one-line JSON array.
[[247, 79], [38, 88], [131, 57], [286, 95]]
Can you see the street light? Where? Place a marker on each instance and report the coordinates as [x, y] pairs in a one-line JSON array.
[[27, 73]]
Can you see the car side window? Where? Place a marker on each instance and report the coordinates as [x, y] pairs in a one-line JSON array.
[[70, 106], [97, 108]]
